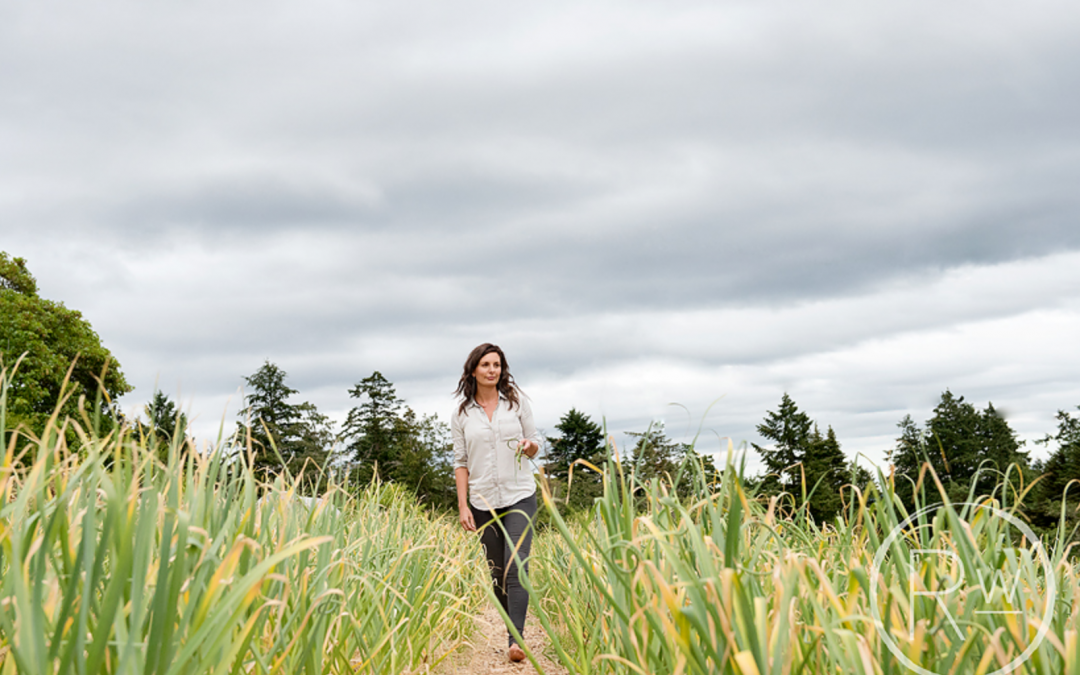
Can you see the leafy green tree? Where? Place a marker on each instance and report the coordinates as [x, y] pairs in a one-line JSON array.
[[789, 429], [298, 432], [579, 438], [961, 443], [50, 338]]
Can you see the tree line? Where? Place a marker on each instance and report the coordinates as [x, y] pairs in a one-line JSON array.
[[973, 453], [63, 368]]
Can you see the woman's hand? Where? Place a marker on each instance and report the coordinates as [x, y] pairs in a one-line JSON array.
[[528, 448], [466, 517]]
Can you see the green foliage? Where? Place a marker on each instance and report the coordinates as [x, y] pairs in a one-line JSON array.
[[802, 462], [165, 426], [827, 472], [969, 450], [721, 583], [14, 275], [1056, 496], [656, 458], [372, 426], [282, 434], [579, 439], [387, 441], [789, 429], [51, 340], [114, 562]]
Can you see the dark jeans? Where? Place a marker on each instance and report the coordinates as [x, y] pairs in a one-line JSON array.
[[499, 547]]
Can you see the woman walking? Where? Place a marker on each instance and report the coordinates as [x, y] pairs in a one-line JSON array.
[[494, 437]]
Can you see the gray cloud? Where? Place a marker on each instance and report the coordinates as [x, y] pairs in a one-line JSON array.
[[744, 194]]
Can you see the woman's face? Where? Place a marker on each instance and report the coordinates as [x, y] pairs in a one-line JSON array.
[[488, 371]]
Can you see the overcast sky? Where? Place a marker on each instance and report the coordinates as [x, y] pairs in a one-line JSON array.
[[859, 203]]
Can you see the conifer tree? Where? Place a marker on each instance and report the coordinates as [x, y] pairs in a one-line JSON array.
[[298, 432], [1056, 475], [789, 429], [579, 438], [371, 428], [165, 424], [962, 444], [384, 438], [827, 473]]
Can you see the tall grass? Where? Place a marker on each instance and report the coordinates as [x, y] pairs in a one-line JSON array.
[[114, 561], [724, 584]]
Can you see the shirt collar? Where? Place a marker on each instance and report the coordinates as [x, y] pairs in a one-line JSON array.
[[472, 402]]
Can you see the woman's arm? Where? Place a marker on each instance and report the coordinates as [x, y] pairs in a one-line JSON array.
[[461, 478], [461, 472], [530, 444]]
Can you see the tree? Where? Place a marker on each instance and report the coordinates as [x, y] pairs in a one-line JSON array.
[[906, 458], [371, 427], [423, 460], [657, 457], [579, 438], [297, 431], [827, 472], [165, 424], [1056, 473], [964, 446], [384, 439], [654, 455], [789, 429], [50, 338], [802, 462]]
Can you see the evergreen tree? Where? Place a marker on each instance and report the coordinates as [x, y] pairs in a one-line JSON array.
[[371, 429], [385, 438], [906, 457], [802, 462], [311, 447], [654, 455], [165, 424], [827, 472], [789, 429], [959, 442], [1056, 473], [297, 431], [1000, 447], [657, 457], [579, 438], [423, 459]]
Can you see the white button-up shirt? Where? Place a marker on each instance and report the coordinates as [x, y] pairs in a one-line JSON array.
[[487, 449]]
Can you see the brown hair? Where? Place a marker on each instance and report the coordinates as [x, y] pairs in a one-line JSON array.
[[466, 387]]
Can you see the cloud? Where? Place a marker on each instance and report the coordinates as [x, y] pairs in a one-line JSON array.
[[860, 204]]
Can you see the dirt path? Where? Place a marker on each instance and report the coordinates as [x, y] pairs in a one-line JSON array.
[[488, 651]]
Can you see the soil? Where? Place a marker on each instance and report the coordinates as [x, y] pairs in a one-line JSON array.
[[487, 653]]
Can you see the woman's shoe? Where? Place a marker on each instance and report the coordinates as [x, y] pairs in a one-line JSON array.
[[517, 654]]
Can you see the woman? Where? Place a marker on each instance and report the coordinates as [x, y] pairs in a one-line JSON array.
[[494, 438]]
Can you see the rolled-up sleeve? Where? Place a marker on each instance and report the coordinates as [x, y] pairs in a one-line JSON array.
[[457, 433]]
